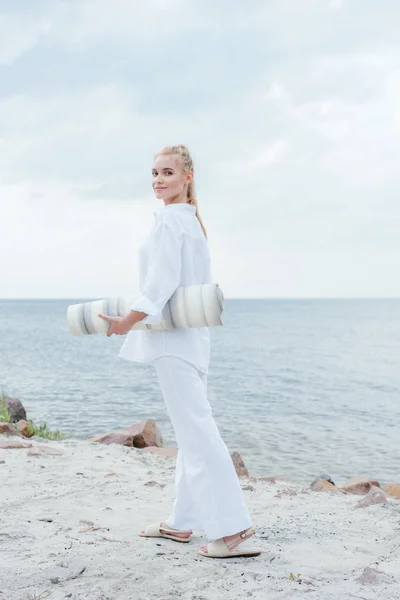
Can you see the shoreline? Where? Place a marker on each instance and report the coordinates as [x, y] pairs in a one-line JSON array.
[[70, 522], [245, 453]]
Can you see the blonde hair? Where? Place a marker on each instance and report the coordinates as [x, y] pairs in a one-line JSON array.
[[187, 167]]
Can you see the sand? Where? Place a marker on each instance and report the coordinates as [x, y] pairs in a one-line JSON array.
[[69, 526]]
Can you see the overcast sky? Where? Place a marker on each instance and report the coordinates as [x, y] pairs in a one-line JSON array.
[[291, 109]]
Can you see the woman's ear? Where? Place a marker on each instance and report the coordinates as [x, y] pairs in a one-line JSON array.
[[189, 178]]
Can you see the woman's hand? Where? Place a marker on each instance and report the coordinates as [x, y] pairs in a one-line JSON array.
[[118, 325]]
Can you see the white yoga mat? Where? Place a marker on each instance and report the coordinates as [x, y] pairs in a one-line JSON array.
[[192, 306]]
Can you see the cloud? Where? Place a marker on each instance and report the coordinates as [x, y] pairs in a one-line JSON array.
[[273, 153], [336, 4], [358, 121], [65, 245], [291, 111], [18, 35]]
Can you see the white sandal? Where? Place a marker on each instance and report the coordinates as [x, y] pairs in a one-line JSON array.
[[156, 530], [221, 549]]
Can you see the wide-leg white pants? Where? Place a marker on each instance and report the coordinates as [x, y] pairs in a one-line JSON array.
[[208, 495]]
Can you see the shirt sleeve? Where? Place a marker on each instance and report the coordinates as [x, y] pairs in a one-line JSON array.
[[163, 271]]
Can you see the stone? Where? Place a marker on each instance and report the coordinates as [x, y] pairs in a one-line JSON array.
[[272, 480], [141, 435], [15, 409], [153, 483], [393, 489], [24, 428], [43, 451], [327, 478], [145, 434], [14, 444], [323, 485], [359, 485], [373, 576], [170, 452], [8, 429], [113, 437], [287, 492], [375, 496], [239, 465]]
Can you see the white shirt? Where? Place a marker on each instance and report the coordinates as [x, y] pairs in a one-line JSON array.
[[175, 254]]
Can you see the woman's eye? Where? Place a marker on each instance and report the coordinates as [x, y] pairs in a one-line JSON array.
[[168, 172]]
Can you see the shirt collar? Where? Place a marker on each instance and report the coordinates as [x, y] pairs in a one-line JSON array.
[[181, 206]]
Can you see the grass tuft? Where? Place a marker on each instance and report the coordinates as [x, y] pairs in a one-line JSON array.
[[5, 416], [40, 430]]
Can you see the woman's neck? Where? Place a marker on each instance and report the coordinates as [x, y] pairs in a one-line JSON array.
[[176, 200]]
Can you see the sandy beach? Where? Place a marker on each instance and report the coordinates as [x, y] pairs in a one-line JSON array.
[[69, 524]]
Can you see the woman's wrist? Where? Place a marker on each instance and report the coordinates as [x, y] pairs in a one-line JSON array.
[[133, 317]]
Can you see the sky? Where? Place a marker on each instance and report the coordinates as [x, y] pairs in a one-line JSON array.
[[291, 109]]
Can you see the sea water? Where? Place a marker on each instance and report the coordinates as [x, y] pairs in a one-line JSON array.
[[298, 387]]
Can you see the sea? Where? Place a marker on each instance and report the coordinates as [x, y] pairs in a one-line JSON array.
[[298, 387]]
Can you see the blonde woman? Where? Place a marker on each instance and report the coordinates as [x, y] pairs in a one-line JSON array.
[[208, 495]]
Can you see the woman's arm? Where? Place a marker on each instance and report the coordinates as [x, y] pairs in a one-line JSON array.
[[163, 270], [161, 280]]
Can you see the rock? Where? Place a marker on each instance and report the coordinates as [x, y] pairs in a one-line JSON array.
[[8, 429], [272, 480], [24, 428], [374, 496], [248, 487], [393, 489], [43, 451], [370, 575], [171, 452], [14, 444], [114, 437], [327, 478], [141, 435], [154, 484], [323, 485], [145, 434], [359, 485], [288, 492], [239, 465], [15, 409]]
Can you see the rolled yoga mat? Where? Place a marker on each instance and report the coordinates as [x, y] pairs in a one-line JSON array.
[[191, 306]]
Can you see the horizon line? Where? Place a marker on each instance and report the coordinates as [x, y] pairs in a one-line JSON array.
[[92, 299]]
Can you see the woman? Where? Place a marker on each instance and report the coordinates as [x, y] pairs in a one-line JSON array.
[[208, 495]]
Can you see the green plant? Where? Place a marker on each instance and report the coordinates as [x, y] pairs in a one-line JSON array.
[[5, 416], [295, 577], [40, 430], [44, 432]]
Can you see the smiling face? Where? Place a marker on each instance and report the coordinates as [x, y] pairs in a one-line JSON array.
[[169, 182]]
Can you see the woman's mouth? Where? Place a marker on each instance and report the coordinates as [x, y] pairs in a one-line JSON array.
[[160, 188]]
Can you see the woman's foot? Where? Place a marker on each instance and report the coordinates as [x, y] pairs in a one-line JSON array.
[[166, 529], [177, 532], [228, 546], [227, 539]]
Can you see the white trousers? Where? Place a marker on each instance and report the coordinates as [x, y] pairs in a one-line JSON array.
[[208, 495]]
